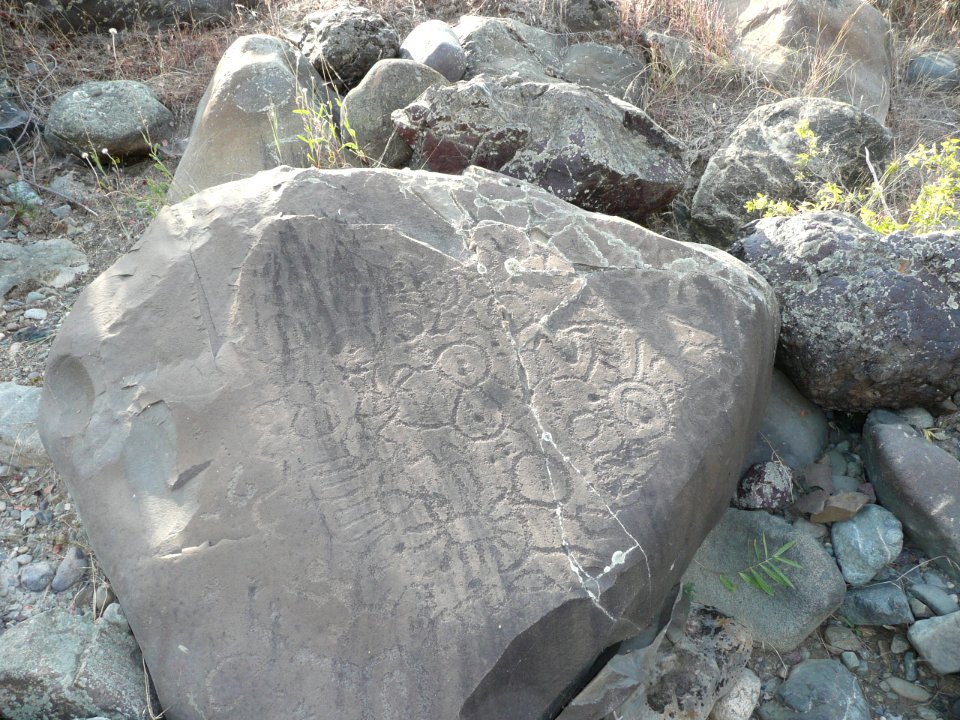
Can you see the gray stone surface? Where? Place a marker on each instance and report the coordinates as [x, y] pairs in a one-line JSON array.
[[390, 85], [101, 15], [343, 44], [793, 431], [607, 156], [765, 487], [741, 698], [434, 44], [868, 321], [881, 604], [760, 156], [817, 690], [938, 69], [122, 117], [70, 570], [789, 616], [52, 263], [37, 576], [693, 672], [866, 543], [480, 427], [918, 481], [57, 666], [246, 120], [589, 15], [938, 642], [496, 47], [19, 442]]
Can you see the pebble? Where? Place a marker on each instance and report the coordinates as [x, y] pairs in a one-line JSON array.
[[37, 576], [881, 604], [910, 666], [919, 610], [850, 659], [738, 703], [935, 598], [35, 314], [899, 645], [842, 638], [24, 559], [44, 517], [907, 690], [34, 297], [114, 614], [938, 642], [70, 570]]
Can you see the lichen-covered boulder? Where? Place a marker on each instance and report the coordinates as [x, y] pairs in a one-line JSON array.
[[582, 145], [763, 155], [344, 43], [868, 321], [392, 444], [111, 119]]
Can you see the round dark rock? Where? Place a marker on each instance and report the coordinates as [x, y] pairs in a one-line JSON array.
[[71, 569], [434, 44], [938, 69], [344, 43]]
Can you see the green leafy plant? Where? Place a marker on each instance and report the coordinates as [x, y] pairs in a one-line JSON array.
[[156, 195], [330, 145], [927, 179], [768, 568]]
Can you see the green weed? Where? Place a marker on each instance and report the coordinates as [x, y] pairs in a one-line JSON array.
[[769, 568]]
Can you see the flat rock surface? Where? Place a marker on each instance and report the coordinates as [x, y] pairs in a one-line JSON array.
[[393, 434], [19, 442]]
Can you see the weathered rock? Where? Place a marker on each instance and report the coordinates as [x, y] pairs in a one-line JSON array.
[[908, 690], [589, 15], [866, 543], [692, 673], [935, 598], [937, 69], [247, 121], [740, 700], [793, 431], [818, 690], [35, 577], [497, 47], [765, 487], [434, 44], [881, 604], [58, 666], [344, 43], [70, 570], [418, 428], [918, 482], [843, 49], [19, 442], [868, 321], [390, 85], [938, 642], [785, 619], [761, 157], [582, 145], [53, 263], [15, 123], [93, 15], [111, 119]]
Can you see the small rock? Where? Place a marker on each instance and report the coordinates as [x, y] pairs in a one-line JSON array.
[[938, 642], [34, 297], [37, 576], [910, 665], [71, 569], [114, 614], [61, 211], [899, 645], [850, 659], [740, 700], [938, 69], [908, 690], [918, 417], [23, 194], [765, 487], [865, 543], [883, 604], [590, 15], [842, 638], [434, 44], [919, 610], [935, 598], [35, 314], [823, 689]]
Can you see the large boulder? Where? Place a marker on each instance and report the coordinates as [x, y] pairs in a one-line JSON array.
[[582, 145], [101, 15], [249, 119], [360, 443], [868, 321], [390, 85], [500, 47], [842, 49], [763, 155], [111, 119], [918, 481]]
